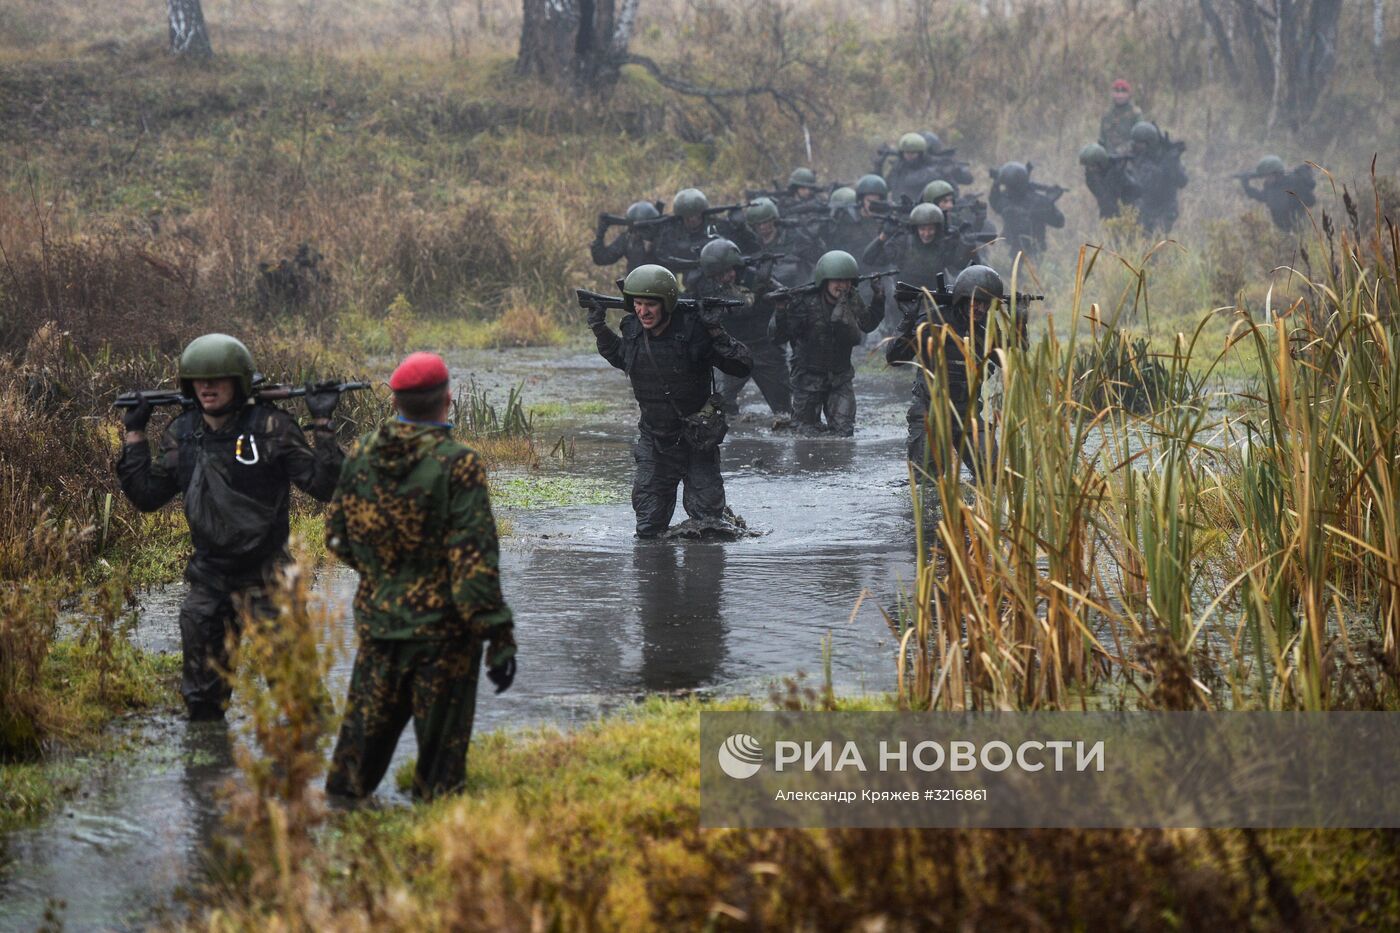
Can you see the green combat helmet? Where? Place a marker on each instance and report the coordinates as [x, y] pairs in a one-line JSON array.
[[1093, 155], [760, 211], [926, 215], [936, 191], [802, 178], [216, 356], [642, 210], [690, 202], [1270, 165], [978, 283], [1013, 175], [1145, 133], [842, 197], [651, 281], [837, 264], [872, 184], [719, 256], [913, 142]]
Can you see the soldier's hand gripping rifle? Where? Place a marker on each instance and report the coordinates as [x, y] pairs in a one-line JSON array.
[[941, 294], [268, 392], [794, 291]]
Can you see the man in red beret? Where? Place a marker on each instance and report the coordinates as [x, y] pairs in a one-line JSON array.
[[412, 516], [1116, 126]]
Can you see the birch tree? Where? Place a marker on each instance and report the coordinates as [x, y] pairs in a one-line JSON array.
[[188, 36], [582, 43]]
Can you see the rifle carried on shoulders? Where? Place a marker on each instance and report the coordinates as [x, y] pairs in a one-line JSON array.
[[588, 300], [264, 392], [621, 220], [793, 291], [668, 219], [748, 262]]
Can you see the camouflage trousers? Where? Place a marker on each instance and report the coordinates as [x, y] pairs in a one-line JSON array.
[[770, 374], [662, 465], [431, 682], [816, 393], [209, 617]]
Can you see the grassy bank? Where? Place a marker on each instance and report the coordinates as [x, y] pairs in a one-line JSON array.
[[598, 829]]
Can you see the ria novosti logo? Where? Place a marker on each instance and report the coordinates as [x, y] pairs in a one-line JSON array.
[[740, 756]]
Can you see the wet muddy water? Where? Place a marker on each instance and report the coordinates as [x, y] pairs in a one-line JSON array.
[[602, 620]]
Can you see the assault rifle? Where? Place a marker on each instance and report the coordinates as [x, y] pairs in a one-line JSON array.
[[748, 262], [941, 156], [588, 300], [621, 220], [793, 291], [943, 295], [266, 392], [667, 219], [1053, 192]]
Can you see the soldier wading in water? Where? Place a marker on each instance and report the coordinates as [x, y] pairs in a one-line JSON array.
[[667, 355], [234, 459]]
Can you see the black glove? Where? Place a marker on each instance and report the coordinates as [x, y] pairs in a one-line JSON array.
[[597, 316], [601, 230], [502, 675], [710, 317], [136, 418], [321, 402]]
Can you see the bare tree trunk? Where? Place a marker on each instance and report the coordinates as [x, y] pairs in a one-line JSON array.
[[578, 42], [1222, 38], [1281, 17], [1377, 27], [188, 36]]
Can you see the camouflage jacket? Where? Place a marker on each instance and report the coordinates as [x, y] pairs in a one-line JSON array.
[[413, 517], [1116, 128]]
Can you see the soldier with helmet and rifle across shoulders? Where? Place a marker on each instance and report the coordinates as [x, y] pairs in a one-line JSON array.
[[691, 224], [668, 348], [825, 320], [1287, 195], [965, 213], [725, 273], [1026, 207], [1158, 174], [233, 457], [944, 333], [636, 244], [1108, 179], [921, 247]]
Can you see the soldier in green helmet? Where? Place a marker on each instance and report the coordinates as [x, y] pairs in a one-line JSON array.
[[854, 227], [684, 239], [233, 459], [802, 190], [1108, 179], [921, 335], [1159, 175], [668, 355], [966, 214], [920, 248], [637, 245], [912, 170], [723, 275], [1287, 195], [824, 325]]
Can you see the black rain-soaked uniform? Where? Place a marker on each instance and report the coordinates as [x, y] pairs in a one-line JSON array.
[[1287, 198], [627, 245], [1024, 216], [822, 336], [676, 242], [749, 326], [669, 382], [1111, 187], [918, 262], [237, 506], [902, 349], [1159, 176]]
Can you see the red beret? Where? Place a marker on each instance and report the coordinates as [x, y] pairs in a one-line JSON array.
[[419, 371], [1121, 84]]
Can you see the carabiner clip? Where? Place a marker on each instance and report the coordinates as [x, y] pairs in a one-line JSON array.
[[238, 449]]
